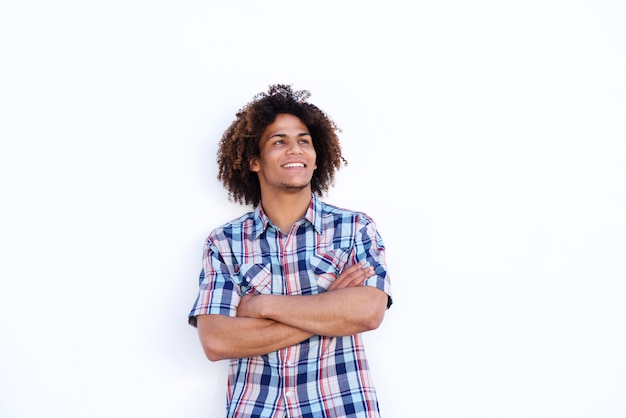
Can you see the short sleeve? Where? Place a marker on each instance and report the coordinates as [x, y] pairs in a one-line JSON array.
[[217, 293], [369, 246]]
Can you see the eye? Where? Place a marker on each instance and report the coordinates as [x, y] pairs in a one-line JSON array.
[[305, 139]]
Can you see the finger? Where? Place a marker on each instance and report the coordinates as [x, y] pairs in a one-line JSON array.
[[346, 276], [353, 269], [353, 276], [357, 279]]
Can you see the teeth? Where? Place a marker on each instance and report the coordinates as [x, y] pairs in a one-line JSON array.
[[293, 165]]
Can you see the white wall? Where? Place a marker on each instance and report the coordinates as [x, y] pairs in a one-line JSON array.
[[488, 140]]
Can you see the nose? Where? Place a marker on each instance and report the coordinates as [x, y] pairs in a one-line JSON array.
[[295, 148]]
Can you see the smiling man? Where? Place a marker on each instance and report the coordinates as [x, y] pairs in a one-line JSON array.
[[287, 290]]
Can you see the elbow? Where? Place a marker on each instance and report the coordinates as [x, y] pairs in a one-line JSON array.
[[372, 317], [210, 331], [213, 355], [212, 351], [373, 320], [369, 319]]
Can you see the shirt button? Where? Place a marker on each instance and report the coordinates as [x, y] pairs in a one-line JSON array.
[[289, 394]]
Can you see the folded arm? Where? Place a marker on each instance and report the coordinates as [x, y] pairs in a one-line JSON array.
[[336, 313], [266, 323], [223, 337]]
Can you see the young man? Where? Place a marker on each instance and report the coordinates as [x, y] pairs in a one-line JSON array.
[[287, 289]]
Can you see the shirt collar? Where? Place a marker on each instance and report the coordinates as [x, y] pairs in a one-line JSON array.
[[313, 215]]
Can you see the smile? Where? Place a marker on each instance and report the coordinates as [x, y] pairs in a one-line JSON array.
[[290, 165]]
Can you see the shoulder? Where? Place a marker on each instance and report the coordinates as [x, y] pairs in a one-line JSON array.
[[327, 209], [241, 224], [333, 216]]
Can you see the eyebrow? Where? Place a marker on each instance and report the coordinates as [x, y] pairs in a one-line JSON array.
[[283, 135]]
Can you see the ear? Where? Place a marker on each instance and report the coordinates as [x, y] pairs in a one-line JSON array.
[[253, 165]]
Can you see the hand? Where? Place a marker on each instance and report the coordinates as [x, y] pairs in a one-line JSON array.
[[353, 276], [247, 305]]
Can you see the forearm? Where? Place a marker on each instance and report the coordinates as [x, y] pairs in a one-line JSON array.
[[224, 337], [341, 312]]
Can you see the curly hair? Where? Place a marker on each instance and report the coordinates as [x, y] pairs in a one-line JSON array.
[[240, 142]]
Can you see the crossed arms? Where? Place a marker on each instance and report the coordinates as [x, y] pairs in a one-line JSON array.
[[266, 323]]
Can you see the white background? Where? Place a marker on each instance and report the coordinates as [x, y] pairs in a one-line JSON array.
[[486, 138]]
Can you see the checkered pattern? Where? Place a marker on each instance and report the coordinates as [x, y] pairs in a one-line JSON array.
[[322, 376]]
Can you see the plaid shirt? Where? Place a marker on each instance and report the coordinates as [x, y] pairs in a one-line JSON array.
[[322, 376]]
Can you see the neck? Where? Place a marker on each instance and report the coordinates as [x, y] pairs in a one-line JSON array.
[[284, 210]]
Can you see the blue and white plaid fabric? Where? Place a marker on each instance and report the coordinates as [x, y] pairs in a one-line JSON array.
[[322, 376]]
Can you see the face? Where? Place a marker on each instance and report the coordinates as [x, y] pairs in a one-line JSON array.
[[287, 159]]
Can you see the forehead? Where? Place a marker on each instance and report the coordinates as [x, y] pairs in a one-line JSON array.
[[284, 122]]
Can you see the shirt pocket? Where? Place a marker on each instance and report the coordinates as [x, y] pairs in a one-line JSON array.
[[254, 278], [328, 265]]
